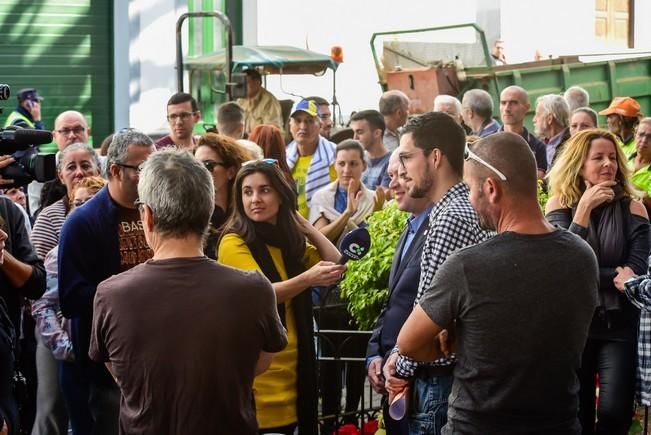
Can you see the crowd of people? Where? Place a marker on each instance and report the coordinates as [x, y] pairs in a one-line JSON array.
[[167, 286]]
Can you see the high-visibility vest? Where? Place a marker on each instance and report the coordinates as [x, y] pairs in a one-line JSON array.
[[15, 116]]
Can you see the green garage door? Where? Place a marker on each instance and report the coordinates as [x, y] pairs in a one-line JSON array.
[[64, 48]]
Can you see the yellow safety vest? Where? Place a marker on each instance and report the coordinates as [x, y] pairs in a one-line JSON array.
[[14, 116]]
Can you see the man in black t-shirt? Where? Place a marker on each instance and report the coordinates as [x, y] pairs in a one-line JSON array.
[[521, 314]]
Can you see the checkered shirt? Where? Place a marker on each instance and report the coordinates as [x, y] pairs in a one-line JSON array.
[[638, 291], [453, 224]]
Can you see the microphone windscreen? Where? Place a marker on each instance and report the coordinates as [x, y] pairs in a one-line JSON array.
[[355, 245], [26, 136]]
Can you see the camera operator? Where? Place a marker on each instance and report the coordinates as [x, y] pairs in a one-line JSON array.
[[28, 110], [22, 275]]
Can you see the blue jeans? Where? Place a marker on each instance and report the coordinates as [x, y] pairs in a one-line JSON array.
[[428, 410]]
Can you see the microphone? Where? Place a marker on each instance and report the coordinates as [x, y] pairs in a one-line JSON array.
[[354, 245], [22, 138]]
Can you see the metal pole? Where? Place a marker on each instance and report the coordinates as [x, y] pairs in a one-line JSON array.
[[179, 46]]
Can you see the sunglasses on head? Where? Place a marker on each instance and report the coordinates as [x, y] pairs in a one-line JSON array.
[[467, 154], [267, 161]]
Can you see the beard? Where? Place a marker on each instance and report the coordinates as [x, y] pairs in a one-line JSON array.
[[421, 190], [485, 221]]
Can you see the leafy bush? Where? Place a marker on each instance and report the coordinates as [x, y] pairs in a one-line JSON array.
[[543, 195], [365, 285]]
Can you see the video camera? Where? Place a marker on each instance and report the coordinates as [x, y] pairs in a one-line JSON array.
[[21, 144]]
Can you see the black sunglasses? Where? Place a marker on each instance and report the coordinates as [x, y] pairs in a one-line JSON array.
[[211, 164]]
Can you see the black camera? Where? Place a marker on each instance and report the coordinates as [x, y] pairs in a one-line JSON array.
[[29, 165], [21, 144]]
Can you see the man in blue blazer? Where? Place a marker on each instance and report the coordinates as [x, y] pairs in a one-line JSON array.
[[403, 284]]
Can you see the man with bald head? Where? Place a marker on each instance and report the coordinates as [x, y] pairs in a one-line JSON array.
[[69, 127], [514, 105], [521, 317], [403, 282]]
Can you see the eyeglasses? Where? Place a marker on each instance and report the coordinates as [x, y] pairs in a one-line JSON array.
[[139, 204], [470, 155], [75, 130], [79, 202], [136, 168], [267, 161], [404, 156], [184, 116], [211, 164]]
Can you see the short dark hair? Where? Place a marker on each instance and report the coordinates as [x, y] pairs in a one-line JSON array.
[[182, 97], [373, 117], [254, 74], [318, 100], [439, 130], [288, 224], [511, 154], [230, 116], [350, 144]]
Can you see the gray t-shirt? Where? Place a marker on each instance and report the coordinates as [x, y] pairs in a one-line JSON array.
[[183, 336], [522, 305]]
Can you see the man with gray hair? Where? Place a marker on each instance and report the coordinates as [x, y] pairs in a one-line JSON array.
[[100, 239], [576, 97], [551, 122], [450, 105], [226, 324], [477, 112], [394, 106]]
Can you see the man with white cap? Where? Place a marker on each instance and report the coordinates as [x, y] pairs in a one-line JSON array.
[[310, 156]]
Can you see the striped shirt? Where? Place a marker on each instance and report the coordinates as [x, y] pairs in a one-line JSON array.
[[318, 173], [453, 224], [45, 234]]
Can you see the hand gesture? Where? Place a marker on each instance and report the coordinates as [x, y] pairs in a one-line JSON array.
[[325, 273], [4, 162], [375, 375], [623, 274], [303, 224], [380, 197], [597, 194], [3, 237], [393, 384], [34, 108], [354, 196]]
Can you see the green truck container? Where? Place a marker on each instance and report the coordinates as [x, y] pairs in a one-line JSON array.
[[603, 80]]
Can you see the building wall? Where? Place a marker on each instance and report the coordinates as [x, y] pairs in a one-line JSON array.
[[562, 28], [145, 75]]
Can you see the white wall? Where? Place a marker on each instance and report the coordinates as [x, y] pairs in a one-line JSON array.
[[562, 27], [145, 76]]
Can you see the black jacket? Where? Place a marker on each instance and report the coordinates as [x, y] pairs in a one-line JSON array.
[[403, 287], [19, 245]]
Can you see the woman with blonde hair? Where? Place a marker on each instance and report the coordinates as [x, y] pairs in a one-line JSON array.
[[592, 196]]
